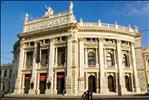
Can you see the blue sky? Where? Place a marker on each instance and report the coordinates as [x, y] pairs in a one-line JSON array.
[[124, 12]]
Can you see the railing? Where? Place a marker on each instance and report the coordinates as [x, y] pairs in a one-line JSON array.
[[104, 25]]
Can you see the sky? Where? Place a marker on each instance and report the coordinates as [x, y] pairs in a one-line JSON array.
[[123, 12]]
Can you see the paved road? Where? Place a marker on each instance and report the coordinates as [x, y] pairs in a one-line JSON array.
[[95, 98]]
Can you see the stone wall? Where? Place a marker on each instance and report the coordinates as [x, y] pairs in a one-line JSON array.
[[139, 61]]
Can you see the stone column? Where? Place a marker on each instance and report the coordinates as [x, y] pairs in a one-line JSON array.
[[75, 64], [132, 82], [69, 66], [97, 65], [121, 80], [37, 83], [18, 89], [56, 56], [55, 83], [34, 73], [24, 62], [136, 80], [86, 60], [103, 79], [50, 67], [81, 65]]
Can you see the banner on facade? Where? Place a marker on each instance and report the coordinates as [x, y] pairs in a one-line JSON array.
[[60, 76], [42, 77]]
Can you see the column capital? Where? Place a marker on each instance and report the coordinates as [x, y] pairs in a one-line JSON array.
[[118, 41], [51, 40], [81, 39], [101, 39], [69, 36], [132, 43], [22, 44]]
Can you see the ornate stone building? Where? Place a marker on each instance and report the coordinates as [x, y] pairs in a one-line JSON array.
[[57, 53], [146, 62]]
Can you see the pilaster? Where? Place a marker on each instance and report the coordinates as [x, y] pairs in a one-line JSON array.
[[18, 84], [81, 65], [34, 74], [103, 79], [121, 81], [50, 68], [136, 80], [69, 66]]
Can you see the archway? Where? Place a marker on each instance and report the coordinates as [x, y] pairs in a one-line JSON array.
[[127, 83], [92, 83], [111, 83]]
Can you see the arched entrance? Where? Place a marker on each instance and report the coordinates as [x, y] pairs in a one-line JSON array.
[[111, 83], [127, 83], [92, 83]]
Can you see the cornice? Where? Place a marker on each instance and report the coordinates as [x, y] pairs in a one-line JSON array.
[[46, 31], [106, 31]]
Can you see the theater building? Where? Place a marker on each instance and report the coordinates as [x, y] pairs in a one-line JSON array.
[[56, 53]]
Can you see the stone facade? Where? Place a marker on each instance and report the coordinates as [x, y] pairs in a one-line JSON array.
[[6, 78], [140, 62], [146, 63], [57, 54]]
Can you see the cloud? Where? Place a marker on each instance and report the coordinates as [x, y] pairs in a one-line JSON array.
[[138, 8]]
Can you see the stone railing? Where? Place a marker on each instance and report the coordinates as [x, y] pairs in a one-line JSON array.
[[104, 25]]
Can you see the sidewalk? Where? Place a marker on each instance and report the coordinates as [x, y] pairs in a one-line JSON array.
[[61, 96]]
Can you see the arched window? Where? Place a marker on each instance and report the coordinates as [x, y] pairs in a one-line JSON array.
[[91, 58], [128, 83], [111, 84], [125, 60], [92, 83], [109, 59]]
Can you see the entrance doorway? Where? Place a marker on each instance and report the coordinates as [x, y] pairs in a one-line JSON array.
[[127, 83], [92, 83], [42, 85], [27, 83], [60, 82], [111, 83]]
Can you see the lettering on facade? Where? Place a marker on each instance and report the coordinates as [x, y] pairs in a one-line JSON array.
[[47, 24]]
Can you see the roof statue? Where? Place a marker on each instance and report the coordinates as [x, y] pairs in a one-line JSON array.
[[71, 7], [49, 11], [26, 17]]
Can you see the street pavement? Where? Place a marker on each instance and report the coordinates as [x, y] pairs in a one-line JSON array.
[[43, 97]]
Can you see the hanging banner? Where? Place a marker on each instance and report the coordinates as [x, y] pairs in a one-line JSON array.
[[60, 76], [42, 77]]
